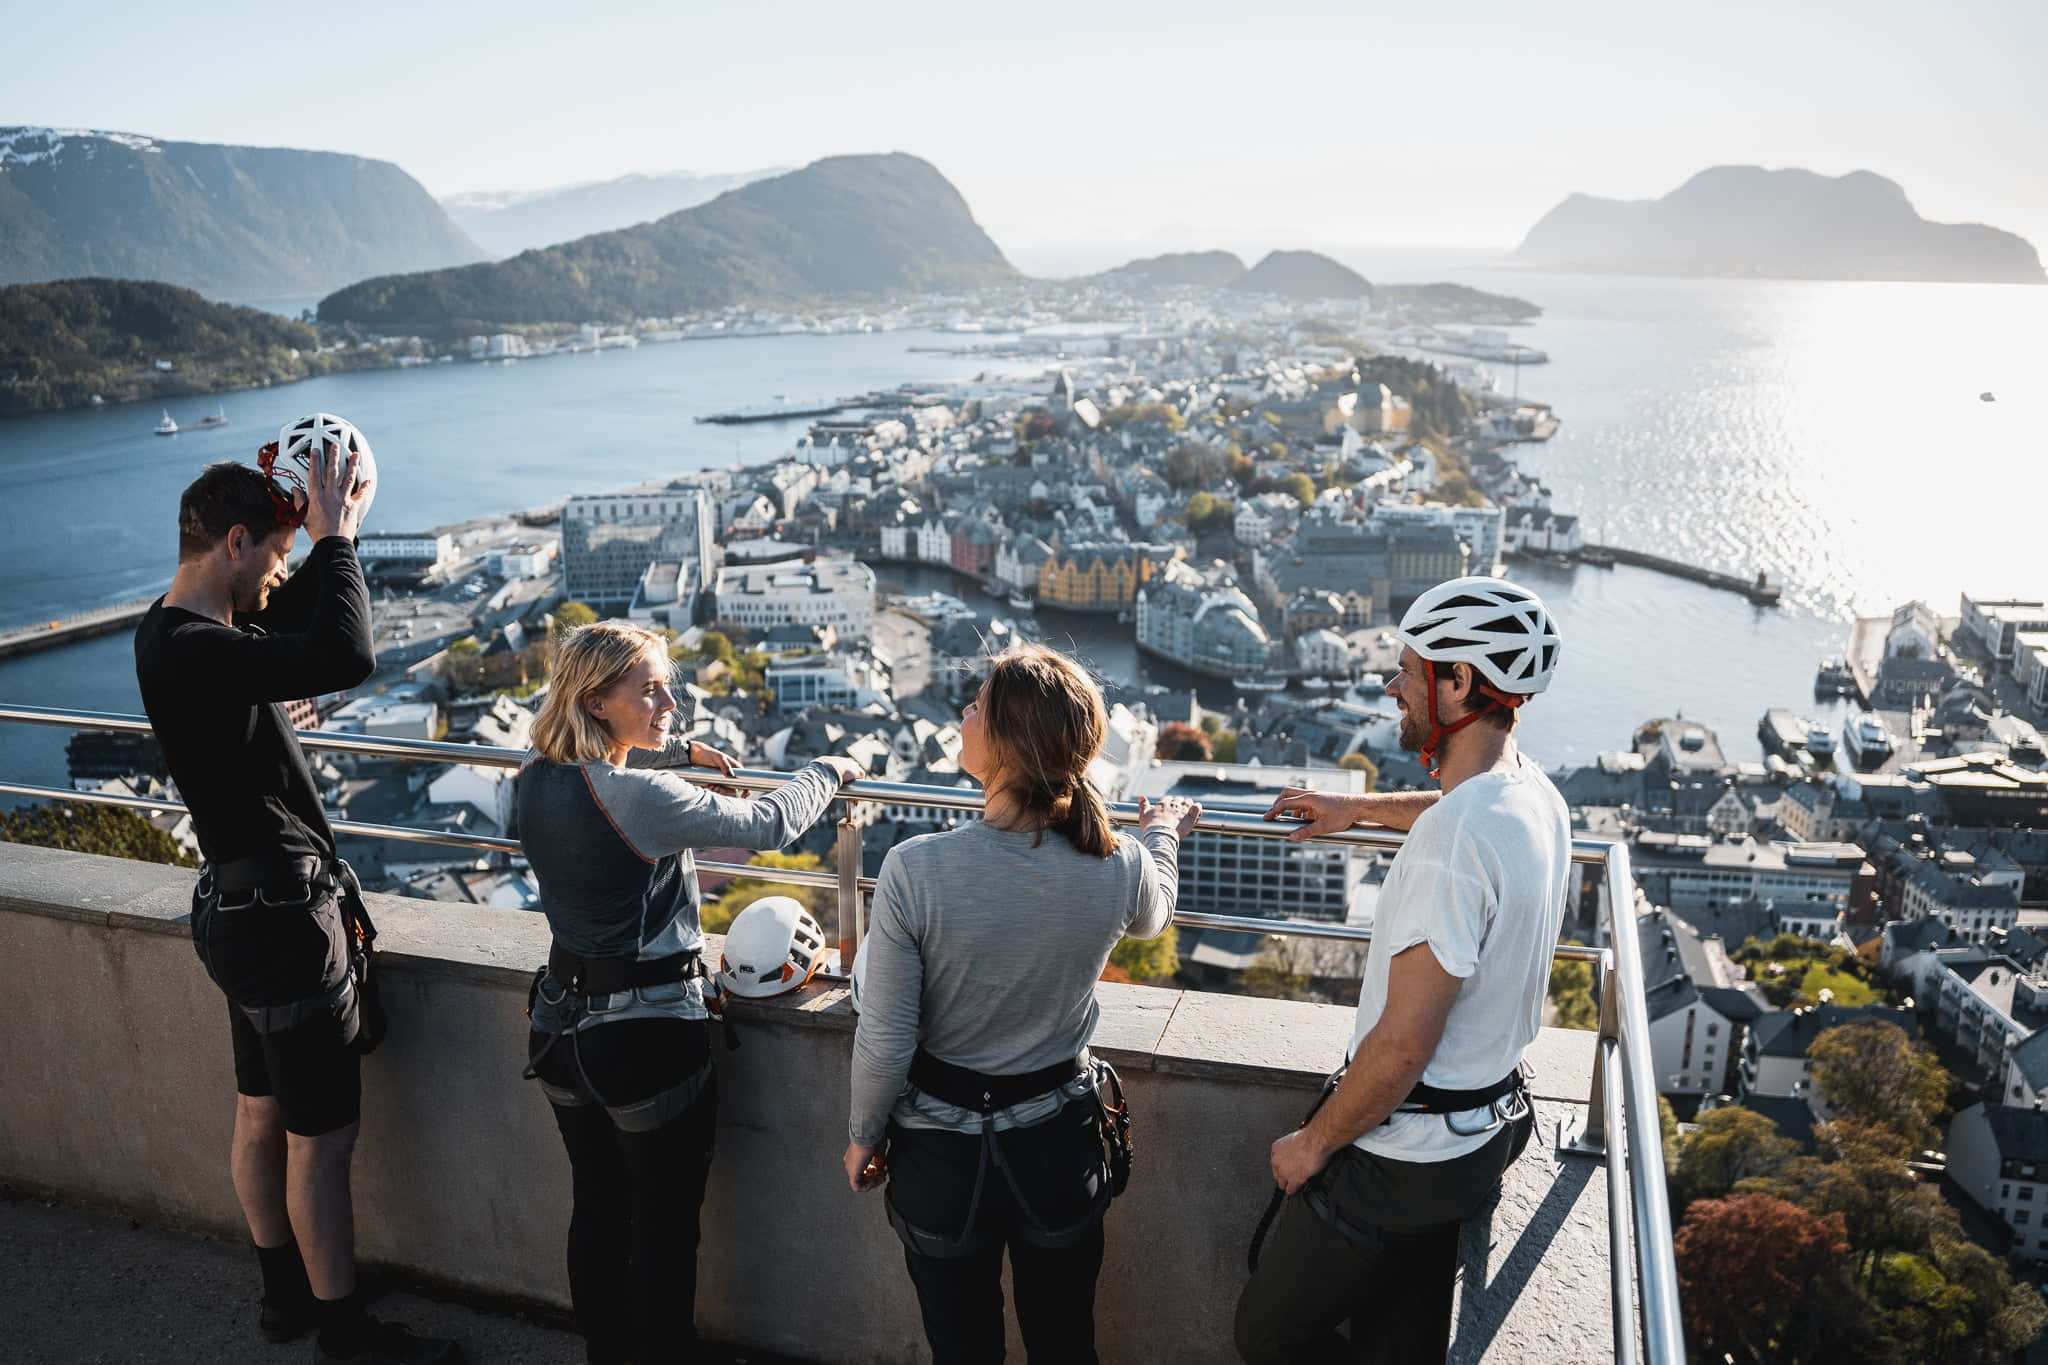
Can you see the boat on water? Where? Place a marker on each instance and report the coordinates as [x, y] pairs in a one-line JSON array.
[[166, 427], [1834, 679], [1316, 684], [1370, 685], [1018, 602], [1867, 737], [1820, 740], [1255, 683], [217, 418]]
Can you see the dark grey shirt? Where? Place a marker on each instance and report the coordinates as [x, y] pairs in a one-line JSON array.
[[611, 849], [985, 951]]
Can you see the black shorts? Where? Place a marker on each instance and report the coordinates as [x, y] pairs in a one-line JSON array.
[[315, 1077], [275, 954]]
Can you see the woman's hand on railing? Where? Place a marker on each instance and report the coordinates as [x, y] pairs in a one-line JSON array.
[[849, 769], [702, 755], [1319, 812], [1170, 812]]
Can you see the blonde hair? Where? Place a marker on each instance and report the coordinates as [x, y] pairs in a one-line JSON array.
[[588, 659], [1045, 722]]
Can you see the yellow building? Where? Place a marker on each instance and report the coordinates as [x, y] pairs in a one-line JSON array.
[[1099, 577]]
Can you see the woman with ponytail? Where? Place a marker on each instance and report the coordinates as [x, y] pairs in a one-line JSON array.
[[974, 1096]]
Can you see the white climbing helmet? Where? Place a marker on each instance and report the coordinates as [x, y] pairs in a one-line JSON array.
[[1499, 628], [772, 947], [299, 441]]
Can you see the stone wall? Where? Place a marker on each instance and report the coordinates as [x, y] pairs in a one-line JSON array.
[[120, 1095]]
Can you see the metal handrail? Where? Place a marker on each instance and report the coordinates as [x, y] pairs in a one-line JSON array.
[[1622, 1095]]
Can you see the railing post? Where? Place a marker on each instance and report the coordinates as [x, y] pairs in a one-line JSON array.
[[851, 925], [1592, 1138]]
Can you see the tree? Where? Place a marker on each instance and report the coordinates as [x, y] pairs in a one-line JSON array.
[[1148, 959], [716, 644], [1224, 747], [113, 831], [570, 615], [1870, 1071], [1359, 763], [1179, 740], [1860, 1172], [1294, 968], [1571, 992], [718, 912], [1751, 1270], [1300, 487], [1728, 1145]]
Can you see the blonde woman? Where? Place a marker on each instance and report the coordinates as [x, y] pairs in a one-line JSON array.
[[971, 1057], [621, 1038]]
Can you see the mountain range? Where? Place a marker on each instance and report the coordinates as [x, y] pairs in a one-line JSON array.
[[230, 222], [847, 227], [1290, 274], [1788, 224], [506, 222]]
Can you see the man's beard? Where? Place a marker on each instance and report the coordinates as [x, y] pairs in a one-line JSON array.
[[1414, 732], [253, 599]]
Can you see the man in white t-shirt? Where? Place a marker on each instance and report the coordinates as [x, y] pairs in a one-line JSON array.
[[1431, 1109]]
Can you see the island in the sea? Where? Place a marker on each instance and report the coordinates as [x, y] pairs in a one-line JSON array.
[[1776, 224]]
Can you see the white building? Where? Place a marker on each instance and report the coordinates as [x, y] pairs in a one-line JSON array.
[[609, 539], [424, 551], [934, 541], [1018, 561], [1478, 527], [666, 595], [1802, 881], [832, 679], [829, 592], [525, 561], [1998, 622], [1999, 1156], [1323, 653], [1233, 874], [385, 718], [1266, 518]]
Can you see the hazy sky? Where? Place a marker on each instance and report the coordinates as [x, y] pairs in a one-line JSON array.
[[1100, 125]]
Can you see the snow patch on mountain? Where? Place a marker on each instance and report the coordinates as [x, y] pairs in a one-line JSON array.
[[28, 146]]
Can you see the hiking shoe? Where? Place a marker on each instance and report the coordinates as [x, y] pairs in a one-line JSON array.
[[387, 1343], [282, 1322]]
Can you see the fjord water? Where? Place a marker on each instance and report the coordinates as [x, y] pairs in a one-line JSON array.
[[1828, 433]]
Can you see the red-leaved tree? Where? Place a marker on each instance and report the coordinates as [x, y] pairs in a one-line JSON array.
[[1749, 1270], [1178, 739]]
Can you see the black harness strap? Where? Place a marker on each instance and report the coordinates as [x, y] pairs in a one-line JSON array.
[[984, 1093], [1422, 1099], [610, 975]]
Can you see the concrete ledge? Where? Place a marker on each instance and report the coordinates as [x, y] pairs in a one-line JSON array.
[[123, 1100]]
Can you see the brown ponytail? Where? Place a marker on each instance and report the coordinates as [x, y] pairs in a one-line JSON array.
[[1045, 723]]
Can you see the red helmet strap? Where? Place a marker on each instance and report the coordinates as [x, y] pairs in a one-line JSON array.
[[1489, 695]]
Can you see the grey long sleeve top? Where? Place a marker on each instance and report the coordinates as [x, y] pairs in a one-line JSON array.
[[612, 850], [985, 951]]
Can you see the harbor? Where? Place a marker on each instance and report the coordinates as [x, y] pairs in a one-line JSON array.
[[67, 629], [1761, 590]]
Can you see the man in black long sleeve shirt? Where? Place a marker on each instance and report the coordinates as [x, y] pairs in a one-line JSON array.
[[217, 657]]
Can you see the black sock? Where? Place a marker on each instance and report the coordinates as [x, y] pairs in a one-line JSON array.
[[344, 1331], [284, 1275]]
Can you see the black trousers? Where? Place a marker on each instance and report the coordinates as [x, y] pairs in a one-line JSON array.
[[634, 1228], [1389, 1268], [1060, 1170]]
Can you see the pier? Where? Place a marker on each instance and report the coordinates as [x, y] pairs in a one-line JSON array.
[[65, 629], [1760, 590], [777, 412]]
